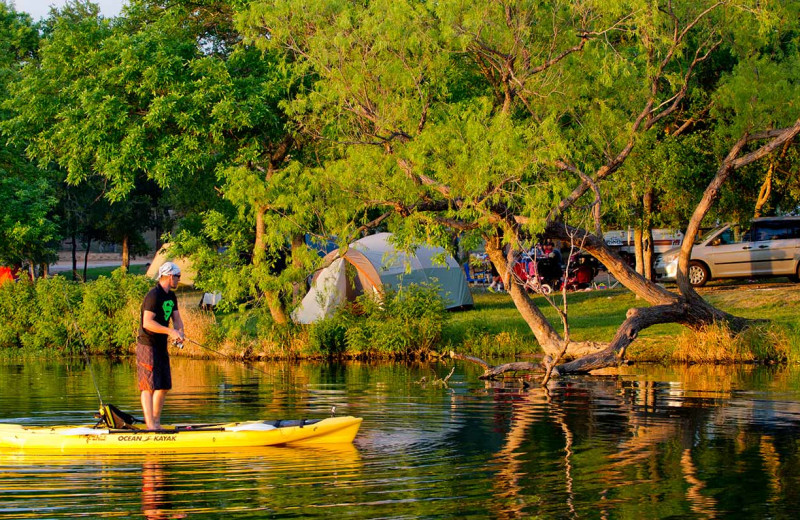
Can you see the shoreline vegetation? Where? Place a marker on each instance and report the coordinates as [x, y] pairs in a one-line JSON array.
[[44, 319]]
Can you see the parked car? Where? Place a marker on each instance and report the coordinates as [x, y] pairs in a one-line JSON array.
[[770, 247]]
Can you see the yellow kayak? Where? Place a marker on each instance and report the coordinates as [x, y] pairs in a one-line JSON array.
[[183, 438]]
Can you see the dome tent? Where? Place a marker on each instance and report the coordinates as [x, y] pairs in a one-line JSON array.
[[378, 264], [188, 272]]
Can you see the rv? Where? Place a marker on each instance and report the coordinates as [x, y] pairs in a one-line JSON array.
[[623, 242]]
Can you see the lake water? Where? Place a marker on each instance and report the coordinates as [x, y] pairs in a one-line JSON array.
[[650, 442]]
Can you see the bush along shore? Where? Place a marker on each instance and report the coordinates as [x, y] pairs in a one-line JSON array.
[[54, 316]]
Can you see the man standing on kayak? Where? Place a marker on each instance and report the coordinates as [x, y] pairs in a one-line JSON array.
[[152, 360]]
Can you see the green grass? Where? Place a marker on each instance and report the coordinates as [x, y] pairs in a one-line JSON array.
[[596, 315], [93, 273]]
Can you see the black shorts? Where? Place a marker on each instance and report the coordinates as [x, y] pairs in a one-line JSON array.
[[152, 368]]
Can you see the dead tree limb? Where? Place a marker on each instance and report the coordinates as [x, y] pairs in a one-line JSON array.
[[637, 320], [491, 372]]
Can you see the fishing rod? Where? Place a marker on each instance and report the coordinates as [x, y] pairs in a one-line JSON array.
[[180, 346], [84, 350], [190, 340]]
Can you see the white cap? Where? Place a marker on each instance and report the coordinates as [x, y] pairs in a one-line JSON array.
[[168, 269]]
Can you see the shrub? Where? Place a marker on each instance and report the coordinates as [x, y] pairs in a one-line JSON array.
[[108, 315], [329, 336], [480, 342], [17, 313], [54, 324], [56, 314], [402, 323]]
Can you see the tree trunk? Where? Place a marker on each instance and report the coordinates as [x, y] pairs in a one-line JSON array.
[[764, 192], [647, 235], [298, 245], [550, 341], [689, 308], [86, 256], [647, 254], [74, 258], [667, 307], [766, 188], [639, 249], [272, 297], [276, 309], [637, 320], [126, 254]]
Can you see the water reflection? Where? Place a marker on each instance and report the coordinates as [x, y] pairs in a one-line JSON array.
[[166, 486], [644, 442], [614, 444], [156, 492]]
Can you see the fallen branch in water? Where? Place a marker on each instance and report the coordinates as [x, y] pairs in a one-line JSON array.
[[492, 372], [436, 382]]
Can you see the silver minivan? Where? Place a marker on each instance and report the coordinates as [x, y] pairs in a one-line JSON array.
[[771, 247]]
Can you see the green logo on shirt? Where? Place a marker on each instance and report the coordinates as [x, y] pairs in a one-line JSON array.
[[168, 306]]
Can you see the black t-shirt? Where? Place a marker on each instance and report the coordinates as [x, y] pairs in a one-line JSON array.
[[163, 304]]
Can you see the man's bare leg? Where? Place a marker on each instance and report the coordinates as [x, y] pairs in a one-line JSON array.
[[158, 404], [147, 408]]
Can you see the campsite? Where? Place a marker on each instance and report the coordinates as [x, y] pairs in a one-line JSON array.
[[399, 259]]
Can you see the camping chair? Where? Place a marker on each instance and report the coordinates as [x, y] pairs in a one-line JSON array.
[[472, 277]]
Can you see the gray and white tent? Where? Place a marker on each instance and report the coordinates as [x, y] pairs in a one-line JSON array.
[[376, 264]]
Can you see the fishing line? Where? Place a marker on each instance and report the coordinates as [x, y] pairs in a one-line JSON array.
[[85, 350], [222, 355]]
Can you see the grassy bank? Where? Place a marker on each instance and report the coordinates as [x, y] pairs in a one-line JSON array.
[[596, 315], [55, 316], [93, 273]]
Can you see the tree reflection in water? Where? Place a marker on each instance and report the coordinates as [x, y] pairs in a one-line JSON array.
[[634, 437]]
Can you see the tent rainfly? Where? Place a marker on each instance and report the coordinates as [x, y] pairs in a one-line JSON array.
[[188, 272], [377, 265]]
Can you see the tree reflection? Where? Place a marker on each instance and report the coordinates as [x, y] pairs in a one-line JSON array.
[[634, 446]]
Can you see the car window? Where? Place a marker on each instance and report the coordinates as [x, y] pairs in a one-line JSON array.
[[706, 236], [776, 230], [732, 236]]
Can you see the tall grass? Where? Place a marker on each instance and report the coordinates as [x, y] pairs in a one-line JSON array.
[[716, 343]]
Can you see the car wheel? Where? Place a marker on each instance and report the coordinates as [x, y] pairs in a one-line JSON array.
[[796, 277], [698, 274]]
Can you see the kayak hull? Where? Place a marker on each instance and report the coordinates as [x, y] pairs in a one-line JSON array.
[[69, 439]]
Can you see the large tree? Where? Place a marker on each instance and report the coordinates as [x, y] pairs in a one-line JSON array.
[[28, 229], [506, 120], [169, 92]]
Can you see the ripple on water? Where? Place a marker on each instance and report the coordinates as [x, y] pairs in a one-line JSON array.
[[634, 445]]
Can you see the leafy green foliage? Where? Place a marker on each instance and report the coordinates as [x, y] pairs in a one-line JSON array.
[[108, 315], [17, 313], [26, 228], [473, 106], [403, 323], [54, 314], [27, 199], [171, 95]]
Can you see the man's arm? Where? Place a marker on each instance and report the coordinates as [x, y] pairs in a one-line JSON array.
[[149, 322], [177, 322]]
